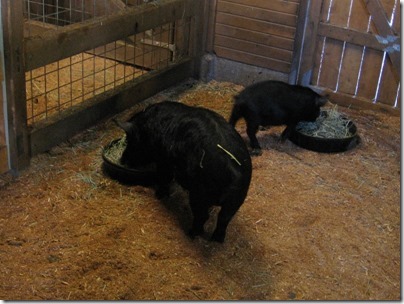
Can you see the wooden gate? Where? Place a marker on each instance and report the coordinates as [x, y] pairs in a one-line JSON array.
[[351, 50], [64, 65]]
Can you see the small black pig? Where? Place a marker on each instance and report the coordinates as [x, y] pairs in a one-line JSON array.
[[274, 103], [198, 148]]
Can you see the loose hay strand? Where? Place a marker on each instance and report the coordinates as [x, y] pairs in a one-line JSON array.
[[231, 155]]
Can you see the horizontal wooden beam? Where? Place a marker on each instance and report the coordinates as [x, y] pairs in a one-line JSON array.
[[350, 36], [76, 38], [47, 134], [355, 102], [390, 44]]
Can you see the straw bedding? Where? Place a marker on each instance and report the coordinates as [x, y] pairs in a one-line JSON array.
[[313, 227]]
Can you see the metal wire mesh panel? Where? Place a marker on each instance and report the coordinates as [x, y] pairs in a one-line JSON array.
[[53, 88], [65, 12]]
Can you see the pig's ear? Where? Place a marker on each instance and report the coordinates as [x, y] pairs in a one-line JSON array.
[[126, 126]]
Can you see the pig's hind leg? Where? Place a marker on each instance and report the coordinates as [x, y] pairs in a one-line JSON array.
[[252, 129], [229, 206], [200, 211]]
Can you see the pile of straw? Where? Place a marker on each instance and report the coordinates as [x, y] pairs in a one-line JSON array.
[[329, 124], [114, 151]]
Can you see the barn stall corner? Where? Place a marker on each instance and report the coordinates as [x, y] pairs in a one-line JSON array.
[[314, 226]]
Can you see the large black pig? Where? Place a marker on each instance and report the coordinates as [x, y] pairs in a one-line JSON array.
[[200, 150], [273, 103]]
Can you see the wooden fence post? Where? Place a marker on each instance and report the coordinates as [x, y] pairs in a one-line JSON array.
[[305, 42], [12, 15]]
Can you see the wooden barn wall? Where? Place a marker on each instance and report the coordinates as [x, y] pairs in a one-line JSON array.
[[256, 32], [357, 69], [350, 49], [3, 143]]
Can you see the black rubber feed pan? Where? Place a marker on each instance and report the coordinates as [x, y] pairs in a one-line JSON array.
[[145, 175], [327, 145]]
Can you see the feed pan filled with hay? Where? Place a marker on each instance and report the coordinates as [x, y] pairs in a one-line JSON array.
[[111, 154], [332, 132]]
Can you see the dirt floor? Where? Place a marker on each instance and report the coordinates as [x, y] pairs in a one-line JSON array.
[[313, 226]]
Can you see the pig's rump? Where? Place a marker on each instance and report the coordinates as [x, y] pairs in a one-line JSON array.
[[201, 151]]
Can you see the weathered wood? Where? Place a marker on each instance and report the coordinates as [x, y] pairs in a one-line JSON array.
[[210, 26], [348, 54], [289, 7], [350, 64], [91, 111], [253, 59], [55, 45], [256, 25], [387, 91], [309, 17], [255, 48], [256, 32], [257, 13], [252, 36], [4, 167], [349, 101], [12, 14], [197, 37], [350, 36], [381, 22]]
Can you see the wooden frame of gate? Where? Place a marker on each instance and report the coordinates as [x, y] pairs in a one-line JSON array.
[[350, 49], [23, 54]]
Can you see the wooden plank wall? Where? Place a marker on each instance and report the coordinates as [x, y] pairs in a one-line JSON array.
[[349, 60], [4, 167], [256, 32]]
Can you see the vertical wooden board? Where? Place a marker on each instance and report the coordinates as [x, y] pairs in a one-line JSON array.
[[318, 60], [13, 30], [352, 56], [210, 24], [2, 119], [3, 160], [305, 42], [397, 18], [398, 100], [333, 50], [339, 12], [329, 69], [369, 77], [389, 7], [359, 16], [325, 9], [350, 69], [388, 85]]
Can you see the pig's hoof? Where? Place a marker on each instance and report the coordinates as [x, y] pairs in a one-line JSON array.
[[256, 152]]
